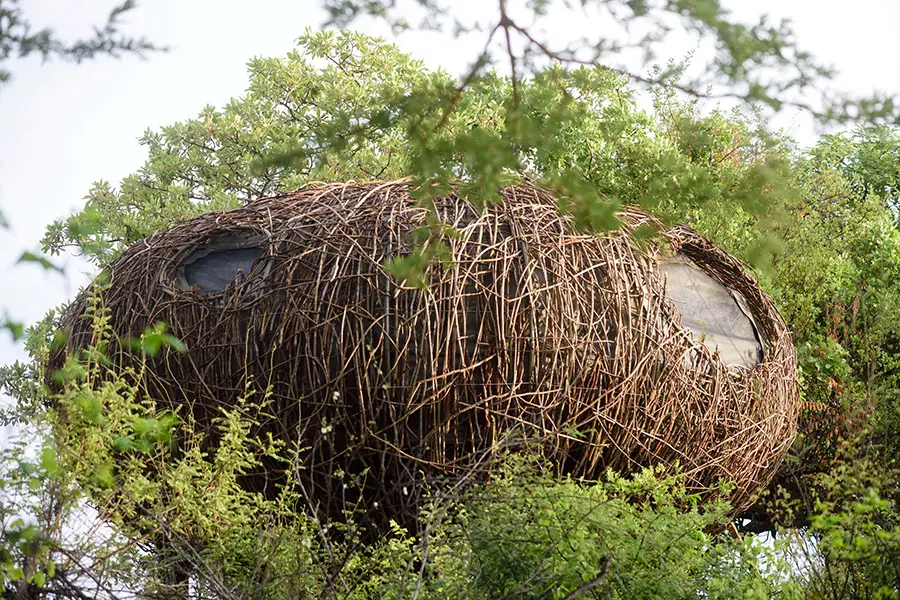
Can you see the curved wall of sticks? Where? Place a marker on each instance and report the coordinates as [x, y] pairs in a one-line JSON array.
[[530, 331]]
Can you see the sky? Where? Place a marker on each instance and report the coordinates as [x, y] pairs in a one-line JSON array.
[[64, 126]]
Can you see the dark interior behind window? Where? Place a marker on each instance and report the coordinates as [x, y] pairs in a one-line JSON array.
[[217, 268]]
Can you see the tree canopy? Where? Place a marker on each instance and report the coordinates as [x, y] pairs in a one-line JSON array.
[[819, 225]]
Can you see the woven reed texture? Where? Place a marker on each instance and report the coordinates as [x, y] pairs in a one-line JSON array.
[[534, 331]]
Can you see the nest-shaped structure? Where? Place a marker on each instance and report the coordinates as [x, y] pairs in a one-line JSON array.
[[531, 329]]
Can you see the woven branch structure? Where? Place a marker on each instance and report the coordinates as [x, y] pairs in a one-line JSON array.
[[533, 330]]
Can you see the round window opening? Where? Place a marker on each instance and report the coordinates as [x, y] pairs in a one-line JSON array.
[[716, 316], [213, 265]]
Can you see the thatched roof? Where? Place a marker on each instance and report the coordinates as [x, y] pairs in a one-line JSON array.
[[533, 329]]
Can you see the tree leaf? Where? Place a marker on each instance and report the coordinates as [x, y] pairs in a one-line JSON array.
[[41, 260]]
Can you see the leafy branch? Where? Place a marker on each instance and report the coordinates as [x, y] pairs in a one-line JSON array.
[[18, 38], [755, 64]]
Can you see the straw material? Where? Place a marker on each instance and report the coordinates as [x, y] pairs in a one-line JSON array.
[[533, 331]]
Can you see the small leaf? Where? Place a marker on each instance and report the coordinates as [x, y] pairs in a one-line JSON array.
[[155, 338], [16, 329], [49, 461], [43, 261], [123, 444], [91, 407], [71, 371], [103, 476], [60, 337], [39, 579]]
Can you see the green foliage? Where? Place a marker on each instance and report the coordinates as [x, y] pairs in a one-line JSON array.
[[858, 528], [346, 106], [322, 113], [42, 261], [758, 63], [25, 524], [525, 534], [15, 328], [869, 161], [836, 284], [851, 548], [820, 225], [155, 338], [643, 537], [24, 381]]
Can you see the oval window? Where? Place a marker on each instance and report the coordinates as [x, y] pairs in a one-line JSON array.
[[212, 266], [716, 316]]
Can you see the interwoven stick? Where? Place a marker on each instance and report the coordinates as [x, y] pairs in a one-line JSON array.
[[533, 330]]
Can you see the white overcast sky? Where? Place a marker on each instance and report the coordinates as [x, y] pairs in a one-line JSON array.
[[64, 126]]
